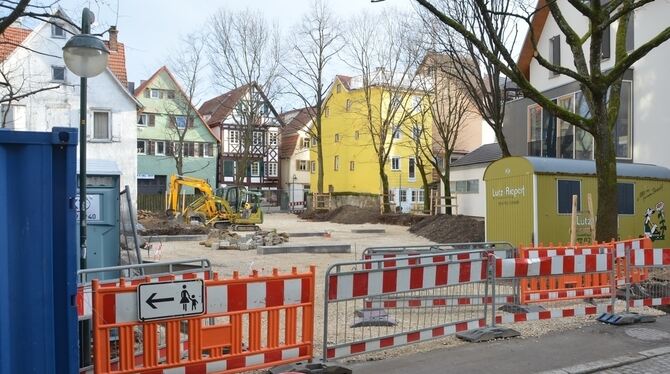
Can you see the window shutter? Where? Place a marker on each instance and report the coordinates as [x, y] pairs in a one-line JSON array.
[[556, 50], [605, 50], [152, 120]]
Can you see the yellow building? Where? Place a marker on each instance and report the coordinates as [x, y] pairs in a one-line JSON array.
[[350, 160]]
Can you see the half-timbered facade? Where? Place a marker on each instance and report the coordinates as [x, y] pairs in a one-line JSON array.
[[247, 126]]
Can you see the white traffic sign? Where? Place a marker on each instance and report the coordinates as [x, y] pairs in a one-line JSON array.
[[171, 299]]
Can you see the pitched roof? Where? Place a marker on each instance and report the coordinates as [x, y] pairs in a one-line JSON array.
[[218, 108], [346, 81], [164, 69], [483, 154], [294, 120], [117, 62], [11, 38], [535, 30]]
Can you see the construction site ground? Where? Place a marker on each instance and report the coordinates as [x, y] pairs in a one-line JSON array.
[[225, 262]]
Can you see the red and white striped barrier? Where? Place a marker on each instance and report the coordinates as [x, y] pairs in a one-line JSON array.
[[366, 283], [399, 340], [390, 260], [545, 252], [632, 244], [557, 265], [578, 311], [84, 299], [650, 257], [435, 301], [535, 296], [656, 301]]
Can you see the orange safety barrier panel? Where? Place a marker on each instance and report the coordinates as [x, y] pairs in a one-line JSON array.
[[249, 323]]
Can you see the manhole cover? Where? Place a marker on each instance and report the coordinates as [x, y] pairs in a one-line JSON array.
[[647, 334]]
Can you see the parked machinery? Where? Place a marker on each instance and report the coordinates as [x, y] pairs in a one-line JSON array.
[[227, 206]]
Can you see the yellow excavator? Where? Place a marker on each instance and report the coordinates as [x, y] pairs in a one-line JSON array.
[[231, 206]]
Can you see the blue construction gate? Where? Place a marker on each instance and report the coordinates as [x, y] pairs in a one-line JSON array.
[[38, 258]]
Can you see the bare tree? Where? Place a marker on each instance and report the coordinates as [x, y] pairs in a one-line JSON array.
[[245, 53], [313, 44], [386, 58], [186, 63], [449, 108], [484, 82], [601, 89]]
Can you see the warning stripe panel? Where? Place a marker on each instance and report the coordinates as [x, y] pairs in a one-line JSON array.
[[650, 257], [547, 295], [557, 265], [435, 301], [553, 313]]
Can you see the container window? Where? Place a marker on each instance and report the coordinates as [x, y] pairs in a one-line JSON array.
[[626, 198], [567, 188]]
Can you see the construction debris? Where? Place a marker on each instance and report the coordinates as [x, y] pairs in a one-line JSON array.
[[228, 240]]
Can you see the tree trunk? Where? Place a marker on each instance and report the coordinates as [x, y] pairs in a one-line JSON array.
[[426, 190], [385, 189], [446, 181], [319, 161], [502, 142], [605, 157]]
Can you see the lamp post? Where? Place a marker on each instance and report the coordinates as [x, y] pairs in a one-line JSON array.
[[292, 197], [86, 56]]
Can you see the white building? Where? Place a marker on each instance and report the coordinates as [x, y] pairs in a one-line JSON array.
[[294, 154], [643, 125], [467, 179], [33, 63]]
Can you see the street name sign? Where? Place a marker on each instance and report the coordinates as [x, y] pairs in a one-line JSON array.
[[171, 299]]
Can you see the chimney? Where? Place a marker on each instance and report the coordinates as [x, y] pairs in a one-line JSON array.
[[131, 87], [113, 42]]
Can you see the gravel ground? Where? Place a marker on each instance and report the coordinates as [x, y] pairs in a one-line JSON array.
[[225, 262]]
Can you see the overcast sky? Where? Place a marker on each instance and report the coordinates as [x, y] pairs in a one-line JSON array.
[[151, 28]]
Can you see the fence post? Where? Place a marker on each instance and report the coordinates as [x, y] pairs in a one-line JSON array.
[[492, 276], [613, 275], [626, 275]]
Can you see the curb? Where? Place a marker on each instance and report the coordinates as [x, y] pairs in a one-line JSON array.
[[594, 366], [176, 238]]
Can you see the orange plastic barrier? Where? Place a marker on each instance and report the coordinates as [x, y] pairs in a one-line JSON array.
[[249, 323], [571, 287]]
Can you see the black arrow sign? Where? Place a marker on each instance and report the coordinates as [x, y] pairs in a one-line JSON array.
[[151, 300]]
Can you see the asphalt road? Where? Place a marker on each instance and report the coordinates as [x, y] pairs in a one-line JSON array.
[[554, 351]]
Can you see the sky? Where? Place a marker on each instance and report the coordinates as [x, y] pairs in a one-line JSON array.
[[151, 29]]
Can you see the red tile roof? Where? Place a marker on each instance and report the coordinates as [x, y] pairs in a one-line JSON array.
[[10, 39], [219, 108], [346, 81], [117, 62], [293, 121]]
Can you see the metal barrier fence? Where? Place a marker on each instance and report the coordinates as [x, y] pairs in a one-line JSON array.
[[354, 324], [250, 323], [654, 289], [501, 249]]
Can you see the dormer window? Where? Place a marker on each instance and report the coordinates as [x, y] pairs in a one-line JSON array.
[[57, 31]]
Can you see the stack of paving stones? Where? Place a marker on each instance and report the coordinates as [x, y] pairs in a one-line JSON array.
[[228, 240]]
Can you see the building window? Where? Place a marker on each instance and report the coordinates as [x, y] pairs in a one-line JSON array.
[[357, 135], [170, 94], [305, 143], [57, 31], [338, 88], [207, 149], [272, 169], [403, 196], [416, 133], [272, 138], [352, 165], [312, 167], [347, 106], [420, 196], [101, 128], [565, 131], [395, 163], [626, 198], [555, 52], [255, 169], [234, 136], [141, 147], [180, 122], [58, 73], [155, 94], [160, 148], [301, 165], [336, 163], [257, 138], [337, 138], [313, 142], [412, 168], [228, 168], [465, 186], [142, 120], [326, 111], [396, 132], [567, 188]]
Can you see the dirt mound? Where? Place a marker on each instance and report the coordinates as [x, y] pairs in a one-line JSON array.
[[346, 214], [159, 224], [450, 229]]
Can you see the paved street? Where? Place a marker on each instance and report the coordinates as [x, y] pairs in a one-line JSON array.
[[598, 342], [655, 365]]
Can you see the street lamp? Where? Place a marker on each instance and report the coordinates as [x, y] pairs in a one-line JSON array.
[[291, 199], [86, 56]]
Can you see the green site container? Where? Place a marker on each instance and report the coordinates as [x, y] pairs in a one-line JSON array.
[[529, 200]]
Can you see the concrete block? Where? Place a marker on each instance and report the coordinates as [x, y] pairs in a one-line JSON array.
[[318, 248], [368, 231]]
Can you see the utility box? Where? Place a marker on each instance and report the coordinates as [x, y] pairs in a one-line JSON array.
[[38, 255], [103, 212], [529, 200]]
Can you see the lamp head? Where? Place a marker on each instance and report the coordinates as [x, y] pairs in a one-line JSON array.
[[85, 55]]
